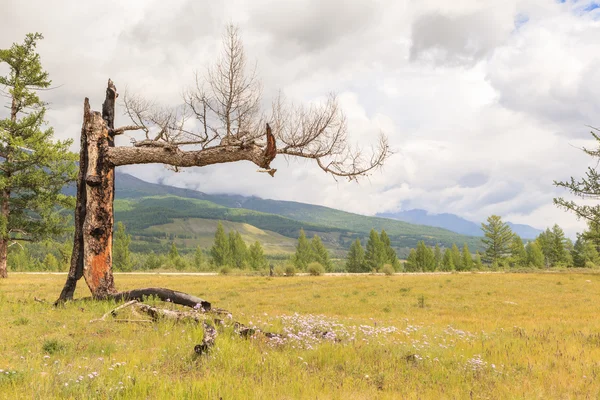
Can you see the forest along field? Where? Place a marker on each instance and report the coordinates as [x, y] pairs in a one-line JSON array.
[[361, 337]]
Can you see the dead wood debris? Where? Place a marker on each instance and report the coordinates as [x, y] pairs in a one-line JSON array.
[[199, 315]]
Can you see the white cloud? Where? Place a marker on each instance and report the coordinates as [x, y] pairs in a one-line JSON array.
[[483, 101]]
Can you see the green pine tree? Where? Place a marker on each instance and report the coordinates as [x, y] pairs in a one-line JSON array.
[[477, 264], [425, 258], [220, 251], [199, 258], [437, 257], [152, 261], [50, 263], [355, 261], [256, 256], [173, 253], [457, 261], [375, 254], [518, 254], [497, 238], [411, 264], [466, 259], [320, 253], [303, 255], [584, 252], [592, 234], [560, 254], [535, 256], [544, 242], [447, 263], [121, 254], [238, 249], [34, 169], [390, 254]]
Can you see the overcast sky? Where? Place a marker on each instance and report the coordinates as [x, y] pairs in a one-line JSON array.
[[484, 101]]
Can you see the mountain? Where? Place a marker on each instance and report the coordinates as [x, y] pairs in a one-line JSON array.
[[455, 223], [155, 214]]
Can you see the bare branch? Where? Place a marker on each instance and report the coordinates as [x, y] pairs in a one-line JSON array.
[[221, 115]]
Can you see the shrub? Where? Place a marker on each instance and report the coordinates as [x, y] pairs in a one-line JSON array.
[[225, 270], [53, 346], [290, 270], [279, 271], [315, 269], [388, 269], [590, 264]]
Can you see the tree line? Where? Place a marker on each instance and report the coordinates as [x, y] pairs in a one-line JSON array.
[[505, 249]]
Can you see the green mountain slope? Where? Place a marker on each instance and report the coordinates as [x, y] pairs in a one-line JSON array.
[[147, 209]]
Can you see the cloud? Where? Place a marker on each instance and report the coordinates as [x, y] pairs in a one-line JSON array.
[[483, 102], [453, 40]]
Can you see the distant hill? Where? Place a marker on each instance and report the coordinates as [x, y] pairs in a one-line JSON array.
[[455, 223], [147, 208]]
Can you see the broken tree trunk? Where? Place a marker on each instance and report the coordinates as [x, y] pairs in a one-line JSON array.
[[92, 247], [94, 220], [98, 223]]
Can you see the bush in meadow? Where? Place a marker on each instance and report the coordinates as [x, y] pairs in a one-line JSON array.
[[315, 269]]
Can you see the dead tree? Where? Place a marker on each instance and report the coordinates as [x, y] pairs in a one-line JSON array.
[[221, 122]]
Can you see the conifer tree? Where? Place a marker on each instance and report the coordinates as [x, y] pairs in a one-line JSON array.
[[592, 234], [544, 242], [437, 257], [375, 254], [198, 258], [238, 249], [447, 263], [355, 261], [424, 257], [34, 168], [411, 264], [555, 246], [220, 251], [497, 238], [152, 262], [535, 256], [584, 252], [256, 256], [456, 258], [303, 255], [390, 254], [320, 253], [466, 259], [559, 253], [121, 254], [518, 254], [173, 253], [477, 264]]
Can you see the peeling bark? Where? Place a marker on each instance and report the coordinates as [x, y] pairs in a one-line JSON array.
[[178, 158], [98, 224]]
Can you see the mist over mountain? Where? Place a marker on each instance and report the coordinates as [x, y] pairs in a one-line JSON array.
[[455, 223]]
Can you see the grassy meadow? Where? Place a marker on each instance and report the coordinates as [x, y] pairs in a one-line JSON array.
[[446, 336]]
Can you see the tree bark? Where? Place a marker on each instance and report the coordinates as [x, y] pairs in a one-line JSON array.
[[98, 223], [76, 269], [193, 158]]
